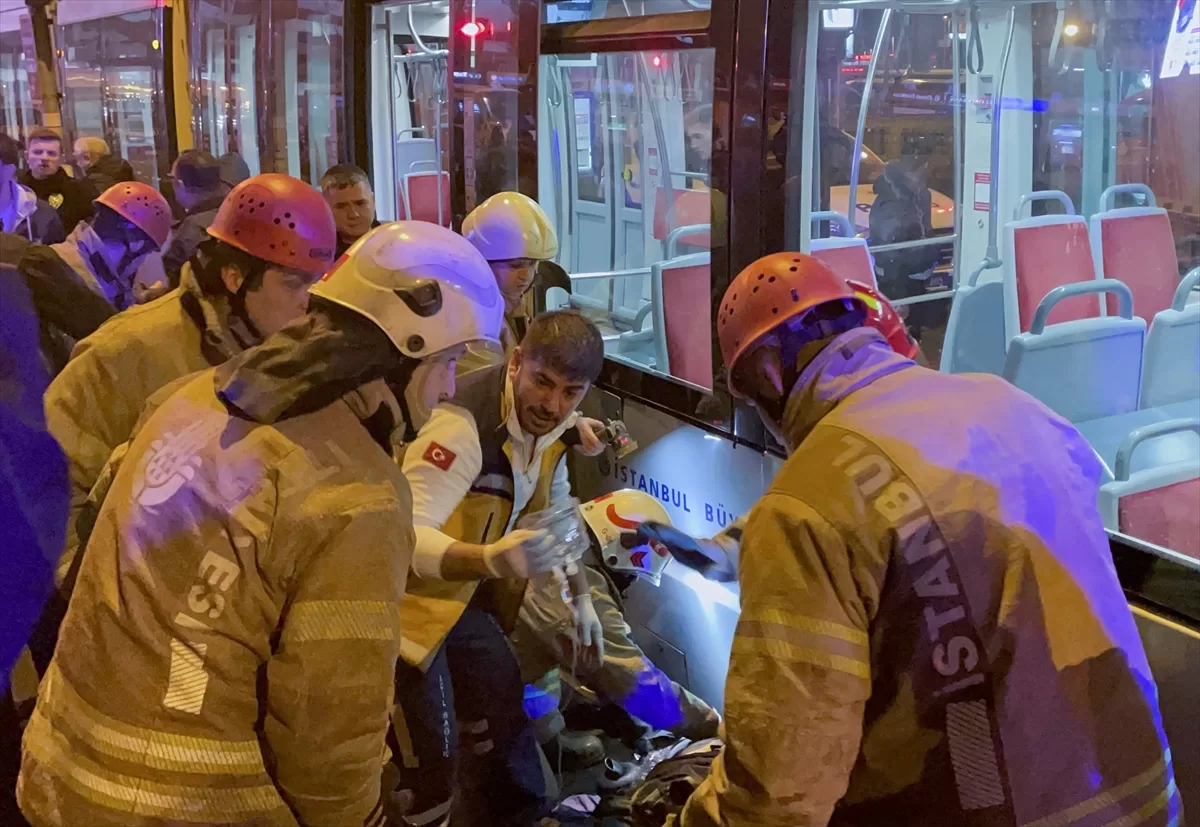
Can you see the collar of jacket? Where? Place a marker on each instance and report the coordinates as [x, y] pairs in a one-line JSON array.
[[207, 205], [851, 361], [223, 335], [311, 363]]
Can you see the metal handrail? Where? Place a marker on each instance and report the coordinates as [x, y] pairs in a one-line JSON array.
[[1044, 195], [1082, 288], [672, 239], [1121, 467], [609, 274], [915, 243], [863, 105]]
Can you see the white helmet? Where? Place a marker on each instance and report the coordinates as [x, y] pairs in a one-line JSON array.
[[614, 518], [425, 286], [511, 225]]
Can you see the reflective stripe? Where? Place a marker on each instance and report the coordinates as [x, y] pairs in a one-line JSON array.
[[813, 625], [153, 748], [1106, 799], [138, 796], [1148, 810], [784, 651], [423, 819], [188, 679], [341, 620]]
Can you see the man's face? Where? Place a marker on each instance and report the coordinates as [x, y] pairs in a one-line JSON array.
[[44, 157], [514, 277], [183, 194], [85, 155], [280, 298], [543, 397], [353, 210], [699, 140]]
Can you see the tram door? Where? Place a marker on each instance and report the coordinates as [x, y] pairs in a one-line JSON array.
[[411, 115]]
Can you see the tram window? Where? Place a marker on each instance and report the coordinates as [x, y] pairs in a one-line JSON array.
[[112, 69], [634, 208], [1105, 119], [18, 115], [575, 11]]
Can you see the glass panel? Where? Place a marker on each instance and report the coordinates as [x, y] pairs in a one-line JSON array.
[[110, 72], [18, 115], [625, 152], [1096, 147], [574, 11], [301, 129], [409, 93]]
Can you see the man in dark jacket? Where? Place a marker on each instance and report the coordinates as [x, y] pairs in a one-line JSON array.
[[99, 166], [21, 211], [49, 181], [200, 191]]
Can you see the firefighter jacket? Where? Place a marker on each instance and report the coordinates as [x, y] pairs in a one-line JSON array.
[[474, 473], [93, 405], [228, 657], [932, 631]]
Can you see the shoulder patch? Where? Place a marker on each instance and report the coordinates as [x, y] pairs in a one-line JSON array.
[[439, 456]]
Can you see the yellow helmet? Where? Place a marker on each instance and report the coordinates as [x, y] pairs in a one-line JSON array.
[[511, 225]]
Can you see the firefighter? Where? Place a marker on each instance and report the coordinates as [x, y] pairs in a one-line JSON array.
[[131, 221], [476, 467], [543, 637], [229, 652], [932, 632], [249, 279]]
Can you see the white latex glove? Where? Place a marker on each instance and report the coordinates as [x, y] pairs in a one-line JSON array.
[[589, 445], [522, 553], [589, 634]]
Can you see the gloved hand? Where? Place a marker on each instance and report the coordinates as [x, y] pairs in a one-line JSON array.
[[590, 444], [522, 553], [589, 634]]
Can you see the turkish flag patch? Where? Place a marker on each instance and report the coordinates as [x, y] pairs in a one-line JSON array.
[[440, 456]]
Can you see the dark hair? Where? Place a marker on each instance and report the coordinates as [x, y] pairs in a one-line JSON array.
[[212, 255], [197, 169], [567, 343], [43, 134], [340, 176], [10, 150]]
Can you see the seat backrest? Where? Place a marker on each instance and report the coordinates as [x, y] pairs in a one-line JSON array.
[[1172, 366], [1158, 503], [1135, 245], [682, 300], [848, 257], [975, 340], [692, 207], [1084, 368], [421, 194], [1046, 252]]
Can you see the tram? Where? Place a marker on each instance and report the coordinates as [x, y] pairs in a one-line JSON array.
[[1049, 149]]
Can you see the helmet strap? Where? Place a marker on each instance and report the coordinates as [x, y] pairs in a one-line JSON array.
[[237, 303], [399, 382]]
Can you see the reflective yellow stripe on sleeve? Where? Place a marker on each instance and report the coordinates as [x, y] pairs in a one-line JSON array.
[[138, 796], [342, 620], [1109, 798], [68, 711], [788, 636]]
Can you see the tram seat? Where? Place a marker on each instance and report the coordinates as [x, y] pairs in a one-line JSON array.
[[1157, 504], [1084, 368], [1045, 252], [419, 194], [975, 341], [1135, 245], [1172, 367], [693, 208], [682, 301], [847, 255], [412, 154]]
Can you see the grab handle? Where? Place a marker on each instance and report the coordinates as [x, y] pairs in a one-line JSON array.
[[1140, 435], [1044, 195], [834, 217], [1106, 197], [1082, 288]]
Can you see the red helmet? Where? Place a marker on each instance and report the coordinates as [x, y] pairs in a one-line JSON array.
[[279, 219], [782, 286], [140, 205], [884, 318]]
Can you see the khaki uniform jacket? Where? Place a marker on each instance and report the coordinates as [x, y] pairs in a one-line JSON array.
[[93, 405], [932, 631], [472, 433], [229, 653]]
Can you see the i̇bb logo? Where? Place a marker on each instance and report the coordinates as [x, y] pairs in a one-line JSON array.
[[439, 456]]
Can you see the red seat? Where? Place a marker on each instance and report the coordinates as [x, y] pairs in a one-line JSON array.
[[684, 317], [419, 197], [848, 257], [1046, 252], [691, 207], [1135, 245], [1164, 516]]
